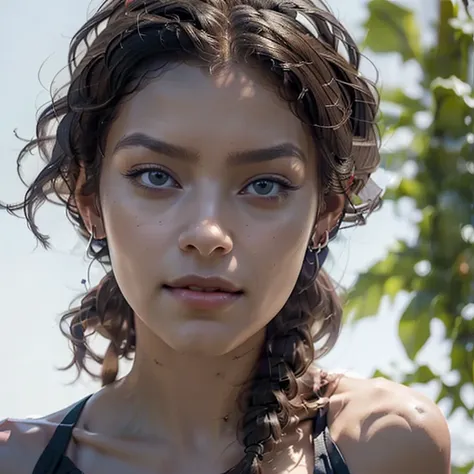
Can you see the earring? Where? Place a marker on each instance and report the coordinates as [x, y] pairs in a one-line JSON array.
[[323, 243], [314, 260], [322, 250], [86, 282]]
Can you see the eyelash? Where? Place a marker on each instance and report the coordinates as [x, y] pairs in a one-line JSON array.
[[135, 173], [285, 184]]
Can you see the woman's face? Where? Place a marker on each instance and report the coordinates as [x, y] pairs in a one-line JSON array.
[[208, 196]]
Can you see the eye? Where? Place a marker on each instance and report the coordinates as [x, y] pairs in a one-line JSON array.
[[154, 178], [267, 187]]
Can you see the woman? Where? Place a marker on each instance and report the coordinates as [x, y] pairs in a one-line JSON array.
[[209, 151]]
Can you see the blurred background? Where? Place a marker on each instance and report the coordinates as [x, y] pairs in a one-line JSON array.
[[407, 276]]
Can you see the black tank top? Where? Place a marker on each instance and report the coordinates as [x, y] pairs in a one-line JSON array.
[[53, 460]]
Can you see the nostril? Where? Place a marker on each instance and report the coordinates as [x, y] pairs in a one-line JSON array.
[[206, 239]]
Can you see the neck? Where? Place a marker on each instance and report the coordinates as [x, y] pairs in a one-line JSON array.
[[189, 398]]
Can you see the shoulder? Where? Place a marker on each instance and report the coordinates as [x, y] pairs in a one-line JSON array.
[[23, 440], [381, 426]]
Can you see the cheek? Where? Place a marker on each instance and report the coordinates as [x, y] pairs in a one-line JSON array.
[[281, 271], [123, 228], [277, 261], [134, 239]]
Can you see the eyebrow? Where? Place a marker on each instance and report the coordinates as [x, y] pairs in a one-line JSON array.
[[283, 150], [157, 146]]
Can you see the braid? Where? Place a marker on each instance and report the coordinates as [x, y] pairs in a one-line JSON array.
[[274, 399]]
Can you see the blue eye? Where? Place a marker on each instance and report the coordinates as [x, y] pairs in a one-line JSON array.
[[264, 187], [267, 188], [152, 178], [157, 178]]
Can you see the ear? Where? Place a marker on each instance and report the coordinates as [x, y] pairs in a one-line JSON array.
[[89, 208], [329, 217]]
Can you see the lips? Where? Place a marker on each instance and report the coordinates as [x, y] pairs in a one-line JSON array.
[[204, 293], [206, 290], [204, 284]]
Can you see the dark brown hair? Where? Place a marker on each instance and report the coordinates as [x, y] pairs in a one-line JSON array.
[[313, 63]]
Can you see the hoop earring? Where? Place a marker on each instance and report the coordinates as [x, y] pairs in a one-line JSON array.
[[314, 260], [322, 244], [87, 282]]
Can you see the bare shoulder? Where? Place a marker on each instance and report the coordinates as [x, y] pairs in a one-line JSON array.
[[23, 440], [381, 426]]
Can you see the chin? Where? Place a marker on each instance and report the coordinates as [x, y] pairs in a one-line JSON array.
[[204, 338]]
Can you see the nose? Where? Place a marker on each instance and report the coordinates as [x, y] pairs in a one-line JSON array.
[[206, 238]]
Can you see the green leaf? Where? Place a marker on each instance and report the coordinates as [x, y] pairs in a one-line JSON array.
[[455, 102], [364, 299], [472, 370], [426, 223], [386, 266], [422, 375], [411, 188], [378, 373], [414, 326], [443, 393], [439, 311], [391, 27], [420, 144], [458, 357], [466, 469], [393, 286]]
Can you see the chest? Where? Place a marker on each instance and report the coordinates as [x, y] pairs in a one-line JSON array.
[[295, 455]]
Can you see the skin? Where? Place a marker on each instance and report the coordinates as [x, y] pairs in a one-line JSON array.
[[178, 405]]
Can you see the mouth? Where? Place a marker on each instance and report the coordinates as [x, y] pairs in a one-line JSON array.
[[200, 289], [204, 284], [204, 293]]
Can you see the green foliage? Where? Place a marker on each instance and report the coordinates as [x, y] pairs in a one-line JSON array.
[[414, 327], [464, 469], [391, 27], [442, 189]]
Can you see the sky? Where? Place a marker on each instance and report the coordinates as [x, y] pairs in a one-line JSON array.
[[37, 286]]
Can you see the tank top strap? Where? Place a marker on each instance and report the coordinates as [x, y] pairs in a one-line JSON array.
[[328, 459], [53, 454]]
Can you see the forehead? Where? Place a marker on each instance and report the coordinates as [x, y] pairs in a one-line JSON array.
[[234, 103]]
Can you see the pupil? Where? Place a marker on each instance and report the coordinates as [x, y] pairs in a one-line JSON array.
[[158, 178], [263, 187]]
